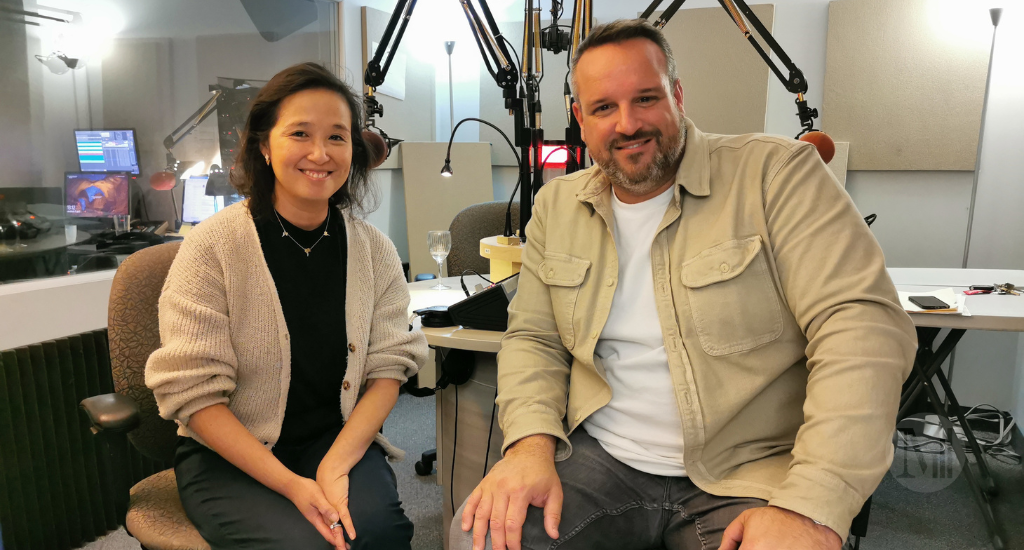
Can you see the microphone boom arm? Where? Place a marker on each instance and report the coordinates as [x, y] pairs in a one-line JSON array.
[[191, 123], [485, 31], [738, 9]]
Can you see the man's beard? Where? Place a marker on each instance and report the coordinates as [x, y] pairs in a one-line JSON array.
[[651, 177]]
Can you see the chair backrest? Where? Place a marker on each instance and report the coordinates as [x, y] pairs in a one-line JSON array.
[[134, 333], [473, 223]]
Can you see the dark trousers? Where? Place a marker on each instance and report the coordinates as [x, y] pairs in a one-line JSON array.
[[232, 510], [607, 504]]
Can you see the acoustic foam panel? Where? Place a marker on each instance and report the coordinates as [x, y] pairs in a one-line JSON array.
[[431, 200], [905, 82], [725, 81]]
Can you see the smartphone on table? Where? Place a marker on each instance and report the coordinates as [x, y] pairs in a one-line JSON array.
[[928, 302]]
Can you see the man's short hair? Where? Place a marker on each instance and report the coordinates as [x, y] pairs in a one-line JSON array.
[[621, 31]]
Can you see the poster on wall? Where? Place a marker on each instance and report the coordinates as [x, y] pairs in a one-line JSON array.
[[394, 84]]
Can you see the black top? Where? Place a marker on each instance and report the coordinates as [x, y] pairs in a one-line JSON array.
[[311, 289]]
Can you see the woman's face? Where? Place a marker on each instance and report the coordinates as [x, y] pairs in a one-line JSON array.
[[310, 146]]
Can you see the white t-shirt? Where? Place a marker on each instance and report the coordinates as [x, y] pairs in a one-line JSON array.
[[641, 426]]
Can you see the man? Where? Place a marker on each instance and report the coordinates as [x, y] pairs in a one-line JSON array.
[[705, 349]]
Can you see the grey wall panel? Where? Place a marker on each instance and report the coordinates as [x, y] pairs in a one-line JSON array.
[[16, 166], [903, 90], [922, 216]]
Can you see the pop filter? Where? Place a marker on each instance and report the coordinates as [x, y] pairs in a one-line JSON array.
[[379, 145], [376, 147], [823, 143], [163, 180]]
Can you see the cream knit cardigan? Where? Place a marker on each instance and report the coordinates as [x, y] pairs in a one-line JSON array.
[[224, 338]]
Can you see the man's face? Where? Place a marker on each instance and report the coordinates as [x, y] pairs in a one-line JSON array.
[[631, 116]]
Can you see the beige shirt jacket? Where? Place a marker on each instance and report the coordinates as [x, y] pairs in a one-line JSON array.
[[786, 341]]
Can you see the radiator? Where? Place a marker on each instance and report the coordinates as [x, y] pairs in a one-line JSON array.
[[57, 489]]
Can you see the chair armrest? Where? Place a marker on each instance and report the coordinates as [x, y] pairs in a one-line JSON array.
[[111, 412]]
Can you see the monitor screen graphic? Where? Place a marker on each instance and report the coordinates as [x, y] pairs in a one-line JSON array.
[[107, 151], [95, 195]]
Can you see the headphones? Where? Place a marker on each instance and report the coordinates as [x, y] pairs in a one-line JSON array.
[[456, 367]]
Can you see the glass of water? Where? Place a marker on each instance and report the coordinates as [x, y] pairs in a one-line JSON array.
[[440, 243]]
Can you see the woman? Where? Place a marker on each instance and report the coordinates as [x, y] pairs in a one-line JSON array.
[[285, 338]]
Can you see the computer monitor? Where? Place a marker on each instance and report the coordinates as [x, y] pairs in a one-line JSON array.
[[107, 151], [93, 195], [196, 205]]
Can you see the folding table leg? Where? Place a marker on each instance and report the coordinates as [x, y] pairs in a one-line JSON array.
[[930, 362], [976, 491], [987, 483]]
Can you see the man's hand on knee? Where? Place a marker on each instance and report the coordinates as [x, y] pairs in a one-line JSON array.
[[769, 528], [525, 477]]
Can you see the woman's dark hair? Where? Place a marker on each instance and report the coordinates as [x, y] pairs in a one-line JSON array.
[[254, 178]]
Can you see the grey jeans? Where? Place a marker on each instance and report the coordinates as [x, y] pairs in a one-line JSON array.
[[607, 504]]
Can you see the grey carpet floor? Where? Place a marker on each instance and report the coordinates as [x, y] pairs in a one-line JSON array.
[[901, 518]]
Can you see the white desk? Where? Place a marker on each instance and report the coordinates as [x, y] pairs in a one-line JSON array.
[[987, 312], [452, 337]]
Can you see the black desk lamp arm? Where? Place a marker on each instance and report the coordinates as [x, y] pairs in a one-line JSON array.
[[448, 158]]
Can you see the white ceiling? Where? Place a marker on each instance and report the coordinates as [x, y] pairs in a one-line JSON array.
[[512, 10], [188, 18]]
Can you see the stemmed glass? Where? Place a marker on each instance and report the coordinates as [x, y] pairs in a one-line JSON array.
[[17, 234], [440, 243], [3, 235]]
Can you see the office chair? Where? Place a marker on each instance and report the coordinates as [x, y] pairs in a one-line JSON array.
[[154, 515], [859, 527], [473, 223]]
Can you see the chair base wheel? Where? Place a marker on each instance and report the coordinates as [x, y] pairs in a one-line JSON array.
[[425, 465]]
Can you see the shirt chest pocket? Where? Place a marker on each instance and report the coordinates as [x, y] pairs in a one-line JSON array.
[[733, 301], [564, 275]]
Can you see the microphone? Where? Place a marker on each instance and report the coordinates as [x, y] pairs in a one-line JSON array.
[[377, 148], [163, 180], [823, 143]]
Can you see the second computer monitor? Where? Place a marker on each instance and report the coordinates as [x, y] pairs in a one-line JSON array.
[[107, 151], [92, 195]]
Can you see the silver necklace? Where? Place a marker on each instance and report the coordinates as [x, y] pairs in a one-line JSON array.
[[284, 233]]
